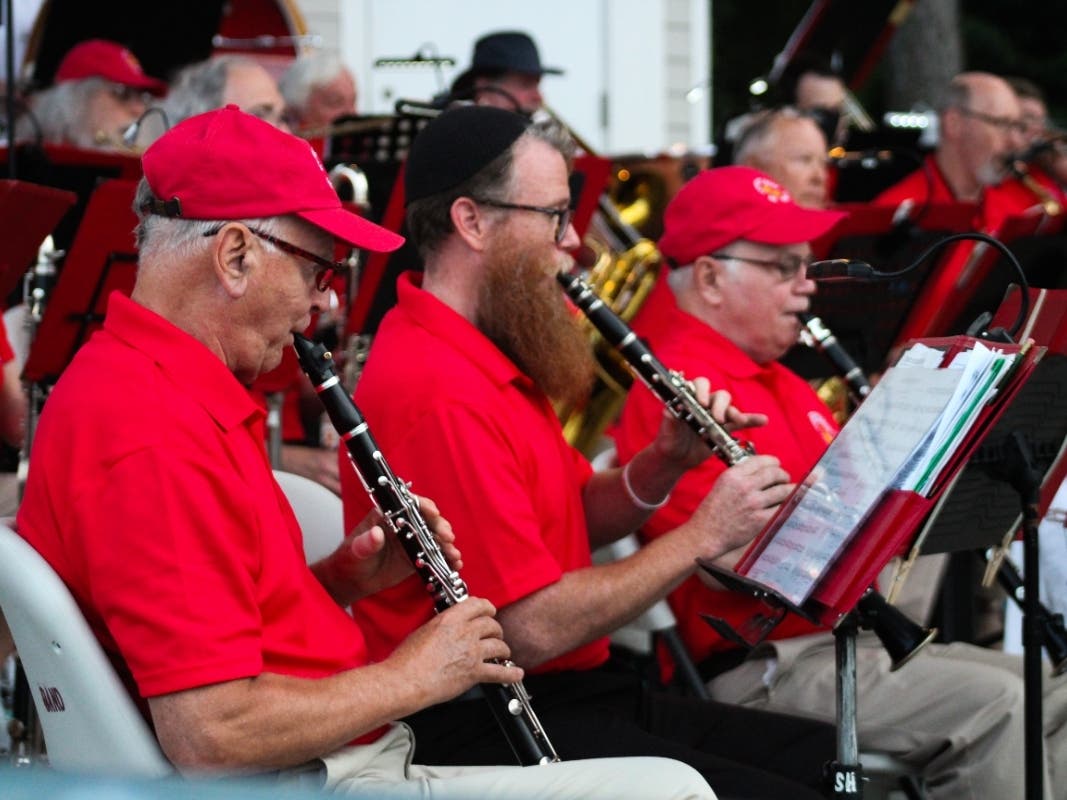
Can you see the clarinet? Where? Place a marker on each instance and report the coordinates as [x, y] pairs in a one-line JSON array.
[[668, 385], [816, 335], [510, 703], [677, 395]]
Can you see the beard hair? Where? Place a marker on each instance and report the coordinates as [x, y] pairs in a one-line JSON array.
[[526, 316]]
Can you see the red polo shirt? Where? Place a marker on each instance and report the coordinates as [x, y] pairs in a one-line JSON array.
[[151, 495], [457, 419], [799, 429]]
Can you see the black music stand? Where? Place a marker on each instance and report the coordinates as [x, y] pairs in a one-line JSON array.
[[837, 599], [102, 259]]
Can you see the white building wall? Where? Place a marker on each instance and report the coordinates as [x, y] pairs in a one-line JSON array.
[[628, 63]]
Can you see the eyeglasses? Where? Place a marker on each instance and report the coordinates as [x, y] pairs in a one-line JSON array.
[[323, 277], [788, 267], [1006, 124], [562, 215], [129, 94]]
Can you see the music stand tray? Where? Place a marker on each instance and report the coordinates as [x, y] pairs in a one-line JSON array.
[[28, 213]]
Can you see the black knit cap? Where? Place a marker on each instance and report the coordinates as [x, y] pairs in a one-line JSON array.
[[456, 145]]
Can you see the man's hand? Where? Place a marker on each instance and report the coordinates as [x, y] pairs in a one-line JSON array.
[[369, 560], [739, 505], [452, 652], [678, 442]]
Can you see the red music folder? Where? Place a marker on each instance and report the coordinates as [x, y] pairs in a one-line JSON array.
[[864, 501], [102, 259], [28, 213]]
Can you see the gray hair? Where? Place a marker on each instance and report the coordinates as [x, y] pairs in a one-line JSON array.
[[956, 95], [757, 133], [199, 87], [182, 238], [307, 72], [429, 219], [61, 112]]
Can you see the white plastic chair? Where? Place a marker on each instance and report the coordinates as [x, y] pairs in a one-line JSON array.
[[90, 722], [319, 512]]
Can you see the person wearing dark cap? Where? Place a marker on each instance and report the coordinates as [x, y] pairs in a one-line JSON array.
[[738, 246], [459, 387], [100, 90], [151, 496], [505, 72]]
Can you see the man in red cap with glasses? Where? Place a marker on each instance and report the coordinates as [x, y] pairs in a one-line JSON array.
[[151, 495], [100, 90], [737, 247]]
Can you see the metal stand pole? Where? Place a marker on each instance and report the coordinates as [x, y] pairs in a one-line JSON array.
[[846, 773]]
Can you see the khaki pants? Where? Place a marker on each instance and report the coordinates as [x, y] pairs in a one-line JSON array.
[[383, 769], [954, 711]]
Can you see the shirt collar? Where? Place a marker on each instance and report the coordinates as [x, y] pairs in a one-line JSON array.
[[185, 360], [442, 321]]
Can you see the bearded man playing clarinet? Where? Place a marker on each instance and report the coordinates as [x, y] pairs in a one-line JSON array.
[[737, 246], [458, 388], [151, 495]]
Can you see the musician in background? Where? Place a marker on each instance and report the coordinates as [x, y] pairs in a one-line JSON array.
[[505, 72], [790, 147], [1044, 155], [980, 126], [458, 389], [222, 81], [150, 494], [318, 88], [99, 90], [738, 246], [811, 84]]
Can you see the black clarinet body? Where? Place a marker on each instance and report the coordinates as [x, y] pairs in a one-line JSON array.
[[509, 703], [669, 386], [815, 334]]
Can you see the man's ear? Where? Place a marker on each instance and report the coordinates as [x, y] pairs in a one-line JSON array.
[[708, 277], [233, 258], [470, 222]]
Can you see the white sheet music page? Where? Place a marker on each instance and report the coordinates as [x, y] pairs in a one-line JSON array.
[[853, 474]]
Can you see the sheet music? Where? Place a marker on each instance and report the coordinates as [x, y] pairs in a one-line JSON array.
[[860, 464]]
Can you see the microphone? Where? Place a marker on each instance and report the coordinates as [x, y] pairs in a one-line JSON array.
[[129, 136], [865, 159], [834, 270]]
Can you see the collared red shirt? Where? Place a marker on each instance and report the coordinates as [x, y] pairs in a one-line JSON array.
[[151, 495], [800, 427], [455, 417]]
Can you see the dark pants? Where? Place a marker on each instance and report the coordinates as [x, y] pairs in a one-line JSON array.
[[743, 754]]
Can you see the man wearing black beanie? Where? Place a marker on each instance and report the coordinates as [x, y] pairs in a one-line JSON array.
[[459, 388]]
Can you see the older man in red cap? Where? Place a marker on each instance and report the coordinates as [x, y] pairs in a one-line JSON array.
[[738, 249], [150, 494], [100, 90]]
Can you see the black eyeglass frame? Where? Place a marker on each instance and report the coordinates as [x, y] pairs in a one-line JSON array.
[[563, 216], [328, 269], [1003, 123], [786, 271]]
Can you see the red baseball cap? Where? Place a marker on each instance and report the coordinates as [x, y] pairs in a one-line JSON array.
[[99, 58], [725, 204], [229, 165]]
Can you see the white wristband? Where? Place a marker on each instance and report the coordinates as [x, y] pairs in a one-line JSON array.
[[630, 493]]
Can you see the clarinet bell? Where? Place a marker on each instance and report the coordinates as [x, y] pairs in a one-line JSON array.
[[1055, 641], [901, 637]]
